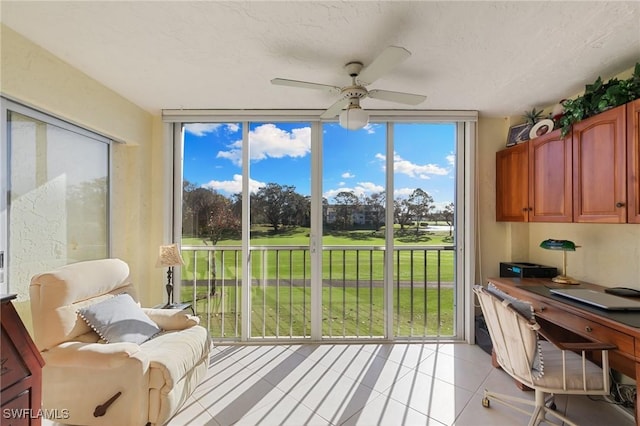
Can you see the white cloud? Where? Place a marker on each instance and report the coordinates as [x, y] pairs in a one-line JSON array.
[[362, 188], [403, 192], [233, 186], [451, 159], [234, 154], [369, 187], [347, 175], [268, 141], [201, 129], [406, 167]]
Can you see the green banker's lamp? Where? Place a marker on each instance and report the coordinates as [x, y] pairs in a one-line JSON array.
[[564, 246]]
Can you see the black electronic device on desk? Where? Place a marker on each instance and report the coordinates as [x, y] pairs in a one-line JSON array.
[[526, 270], [623, 291]]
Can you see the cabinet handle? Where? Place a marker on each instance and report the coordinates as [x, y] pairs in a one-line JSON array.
[[588, 329], [524, 209], [542, 308], [619, 204]]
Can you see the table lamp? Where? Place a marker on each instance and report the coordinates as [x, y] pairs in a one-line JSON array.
[[168, 257], [564, 246]]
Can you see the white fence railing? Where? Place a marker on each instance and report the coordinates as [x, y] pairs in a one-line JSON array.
[[353, 305]]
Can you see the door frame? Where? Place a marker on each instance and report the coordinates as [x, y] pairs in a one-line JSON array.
[[465, 199]]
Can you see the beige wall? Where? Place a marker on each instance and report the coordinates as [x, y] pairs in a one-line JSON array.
[[32, 76]]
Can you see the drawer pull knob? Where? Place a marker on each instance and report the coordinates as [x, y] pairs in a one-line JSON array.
[[542, 308], [619, 204], [588, 329]]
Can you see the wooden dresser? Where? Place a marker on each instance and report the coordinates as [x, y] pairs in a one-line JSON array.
[[21, 370]]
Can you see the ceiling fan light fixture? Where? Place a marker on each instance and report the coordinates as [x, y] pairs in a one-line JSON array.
[[354, 118]]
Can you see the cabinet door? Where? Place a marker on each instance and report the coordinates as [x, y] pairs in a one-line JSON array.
[[599, 168], [633, 161], [512, 184], [550, 177]]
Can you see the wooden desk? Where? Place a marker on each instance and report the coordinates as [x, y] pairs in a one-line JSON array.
[[619, 328]]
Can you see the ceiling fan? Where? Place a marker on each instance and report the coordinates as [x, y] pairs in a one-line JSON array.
[[352, 116]]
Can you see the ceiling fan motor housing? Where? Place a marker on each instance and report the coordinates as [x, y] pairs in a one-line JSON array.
[[352, 92]]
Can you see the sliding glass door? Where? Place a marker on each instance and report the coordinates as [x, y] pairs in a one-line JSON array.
[[57, 211], [307, 231]]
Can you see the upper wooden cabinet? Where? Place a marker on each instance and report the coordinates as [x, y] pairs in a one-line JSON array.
[[591, 176], [512, 184], [600, 168], [533, 181], [633, 161], [550, 179]]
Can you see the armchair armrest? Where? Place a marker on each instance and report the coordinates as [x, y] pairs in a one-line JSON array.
[[168, 319], [95, 355]]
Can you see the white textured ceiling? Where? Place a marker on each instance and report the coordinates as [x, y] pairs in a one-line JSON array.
[[500, 58]]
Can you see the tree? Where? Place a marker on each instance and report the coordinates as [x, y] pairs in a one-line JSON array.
[[275, 202], [222, 221], [196, 207], [375, 209], [401, 212], [421, 205], [448, 215], [346, 203], [211, 216]]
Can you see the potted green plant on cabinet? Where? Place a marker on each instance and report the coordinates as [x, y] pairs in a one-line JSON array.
[[599, 97]]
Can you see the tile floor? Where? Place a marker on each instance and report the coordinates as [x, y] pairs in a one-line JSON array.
[[364, 384]]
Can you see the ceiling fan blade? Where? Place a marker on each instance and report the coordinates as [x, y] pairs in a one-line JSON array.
[[402, 98], [305, 85], [385, 62], [335, 109]]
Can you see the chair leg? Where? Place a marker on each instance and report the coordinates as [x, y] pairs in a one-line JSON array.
[[541, 411]]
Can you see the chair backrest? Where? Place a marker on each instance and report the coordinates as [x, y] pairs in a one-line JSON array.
[[57, 295], [513, 334]]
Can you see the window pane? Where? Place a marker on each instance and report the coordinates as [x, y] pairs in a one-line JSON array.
[[424, 259], [211, 225], [353, 237], [58, 213], [280, 184]]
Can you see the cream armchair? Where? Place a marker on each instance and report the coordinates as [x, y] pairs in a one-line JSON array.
[[121, 383]]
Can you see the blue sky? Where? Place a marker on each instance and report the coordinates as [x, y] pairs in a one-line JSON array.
[[352, 160]]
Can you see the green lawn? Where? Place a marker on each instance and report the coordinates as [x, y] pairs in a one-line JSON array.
[[349, 264], [352, 290], [287, 312]]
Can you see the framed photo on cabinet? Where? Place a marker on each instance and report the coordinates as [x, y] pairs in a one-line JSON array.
[[518, 133]]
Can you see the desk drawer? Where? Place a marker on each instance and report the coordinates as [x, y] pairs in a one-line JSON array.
[[585, 327]]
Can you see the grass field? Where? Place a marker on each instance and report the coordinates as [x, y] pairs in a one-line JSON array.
[[352, 290], [350, 312], [350, 264]]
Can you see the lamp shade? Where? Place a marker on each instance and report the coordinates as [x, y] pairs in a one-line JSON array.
[[354, 118], [564, 245], [169, 255]]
